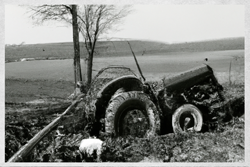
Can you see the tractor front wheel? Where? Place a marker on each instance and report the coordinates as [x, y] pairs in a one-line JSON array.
[[187, 118]]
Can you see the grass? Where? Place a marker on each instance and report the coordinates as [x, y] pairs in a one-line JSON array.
[[153, 65], [25, 90], [30, 80]]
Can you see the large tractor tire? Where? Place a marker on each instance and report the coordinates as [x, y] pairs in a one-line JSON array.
[[132, 113], [187, 117]]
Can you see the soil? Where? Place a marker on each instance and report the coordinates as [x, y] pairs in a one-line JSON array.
[[33, 104], [24, 90]]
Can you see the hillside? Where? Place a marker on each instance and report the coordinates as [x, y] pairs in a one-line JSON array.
[[151, 47], [118, 48]]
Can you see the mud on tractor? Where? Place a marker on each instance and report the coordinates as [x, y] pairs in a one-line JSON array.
[[121, 103]]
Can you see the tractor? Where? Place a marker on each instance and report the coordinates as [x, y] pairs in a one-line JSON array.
[[120, 103]]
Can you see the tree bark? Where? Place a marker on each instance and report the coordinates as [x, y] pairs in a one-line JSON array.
[[89, 68], [77, 63]]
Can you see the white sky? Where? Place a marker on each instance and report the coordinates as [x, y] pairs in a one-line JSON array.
[[167, 23]]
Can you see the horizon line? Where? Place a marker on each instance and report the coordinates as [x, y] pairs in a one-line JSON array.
[[130, 39]]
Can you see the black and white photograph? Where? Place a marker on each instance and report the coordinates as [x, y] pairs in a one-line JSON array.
[[105, 83]]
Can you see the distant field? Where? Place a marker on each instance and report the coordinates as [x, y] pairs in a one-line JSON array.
[[118, 48], [48, 76], [153, 67]]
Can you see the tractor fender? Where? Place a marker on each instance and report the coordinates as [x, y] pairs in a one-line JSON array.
[[127, 83]]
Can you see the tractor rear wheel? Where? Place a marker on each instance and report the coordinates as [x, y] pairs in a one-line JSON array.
[[132, 113]]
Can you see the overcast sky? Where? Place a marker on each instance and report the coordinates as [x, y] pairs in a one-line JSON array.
[[166, 23]]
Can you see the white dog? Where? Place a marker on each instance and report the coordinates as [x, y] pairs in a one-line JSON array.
[[88, 146]]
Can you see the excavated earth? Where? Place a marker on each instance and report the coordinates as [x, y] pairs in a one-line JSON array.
[[222, 143]]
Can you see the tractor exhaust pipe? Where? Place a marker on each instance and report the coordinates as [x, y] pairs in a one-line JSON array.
[[137, 64]]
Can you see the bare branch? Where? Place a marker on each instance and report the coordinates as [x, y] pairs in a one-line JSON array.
[[44, 13], [93, 21]]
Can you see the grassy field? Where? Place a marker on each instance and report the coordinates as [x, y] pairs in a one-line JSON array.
[[51, 80], [27, 80], [118, 48], [153, 66], [156, 60], [30, 80]]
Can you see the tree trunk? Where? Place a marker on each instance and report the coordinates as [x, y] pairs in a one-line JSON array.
[[77, 63], [89, 68], [85, 73]]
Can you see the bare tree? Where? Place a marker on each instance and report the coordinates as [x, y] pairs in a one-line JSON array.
[[93, 21], [65, 13], [96, 20]]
